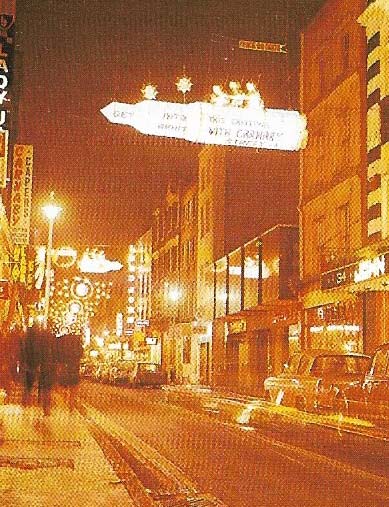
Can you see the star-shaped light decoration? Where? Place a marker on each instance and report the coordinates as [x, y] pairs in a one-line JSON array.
[[184, 85], [237, 95], [149, 92], [218, 96], [253, 98]]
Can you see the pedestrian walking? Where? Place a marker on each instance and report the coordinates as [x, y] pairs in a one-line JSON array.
[[39, 361], [70, 351], [5, 366]]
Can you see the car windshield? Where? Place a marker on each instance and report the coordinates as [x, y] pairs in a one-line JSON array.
[[381, 363], [304, 365], [340, 365], [293, 363]]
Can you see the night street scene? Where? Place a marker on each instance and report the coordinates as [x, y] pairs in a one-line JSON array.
[[194, 253]]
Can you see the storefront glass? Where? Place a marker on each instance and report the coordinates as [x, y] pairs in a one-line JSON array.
[[234, 281], [336, 326], [206, 296], [221, 286], [251, 273]]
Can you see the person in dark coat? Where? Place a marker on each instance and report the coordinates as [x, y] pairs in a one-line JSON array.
[[5, 364], [30, 363], [70, 352], [40, 355]]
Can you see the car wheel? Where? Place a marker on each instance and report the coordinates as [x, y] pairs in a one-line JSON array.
[[301, 403]]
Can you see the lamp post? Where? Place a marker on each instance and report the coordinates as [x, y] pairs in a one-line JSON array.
[[51, 211]]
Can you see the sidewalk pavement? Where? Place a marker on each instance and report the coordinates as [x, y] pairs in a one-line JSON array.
[[52, 461]]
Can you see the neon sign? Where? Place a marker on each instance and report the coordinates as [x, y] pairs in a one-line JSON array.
[[370, 268]]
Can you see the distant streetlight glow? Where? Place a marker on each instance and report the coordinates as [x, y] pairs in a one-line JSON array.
[[174, 294], [51, 211]]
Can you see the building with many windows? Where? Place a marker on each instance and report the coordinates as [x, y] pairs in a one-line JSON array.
[[241, 194], [343, 194], [256, 310], [166, 293]]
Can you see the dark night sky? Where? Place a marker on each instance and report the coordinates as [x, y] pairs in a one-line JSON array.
[[76, 56]]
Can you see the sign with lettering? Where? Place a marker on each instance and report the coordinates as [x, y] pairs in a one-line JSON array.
[[236, 326], [370, 268], [21, 195], [3, 158], [206, 123], [272, 47], [19, 269], [356, 272], [7, 35], [142, 322]]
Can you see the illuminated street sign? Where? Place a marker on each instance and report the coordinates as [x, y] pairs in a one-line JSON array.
[[272, 47], [202, 122]]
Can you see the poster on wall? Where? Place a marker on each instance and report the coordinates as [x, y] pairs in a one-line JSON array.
[[21, 194]]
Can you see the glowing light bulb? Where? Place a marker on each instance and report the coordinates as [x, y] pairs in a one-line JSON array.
[[149, 92]]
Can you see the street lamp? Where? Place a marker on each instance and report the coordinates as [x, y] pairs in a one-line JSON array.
[[51, 211]]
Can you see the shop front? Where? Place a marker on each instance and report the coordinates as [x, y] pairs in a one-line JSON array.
[[249, 348], [350, 312], [337, 326]]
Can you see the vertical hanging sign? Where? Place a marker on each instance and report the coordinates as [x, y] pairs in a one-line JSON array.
[[3, 158], [7, 36], [21, 194]]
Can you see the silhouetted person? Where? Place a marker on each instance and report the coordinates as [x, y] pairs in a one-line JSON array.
[[39, 358], [5, 363], [70, 351]]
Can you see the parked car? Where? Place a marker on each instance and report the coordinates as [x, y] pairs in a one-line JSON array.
[[122, 372], [370, 399], [314, 379], [102, 372], [87, 371], [149, 374]]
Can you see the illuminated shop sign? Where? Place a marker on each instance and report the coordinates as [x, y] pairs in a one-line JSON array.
[[344, 328], [236, 326], [370, 269], [206, 123], [21, 196], [3, 157], [119, 324], [272, 47], [356, 272], [142, 322], [7, 32]]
